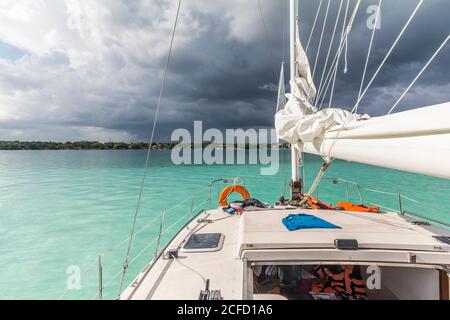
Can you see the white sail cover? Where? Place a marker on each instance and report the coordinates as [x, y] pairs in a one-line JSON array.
[[415, 141]]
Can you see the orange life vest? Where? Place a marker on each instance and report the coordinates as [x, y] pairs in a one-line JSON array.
[[317, 204], [340, 280], [347, 206]]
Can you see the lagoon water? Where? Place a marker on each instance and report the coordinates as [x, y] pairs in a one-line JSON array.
[[60, 210]]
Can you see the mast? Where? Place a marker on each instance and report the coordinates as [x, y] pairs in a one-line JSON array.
[[296, 182]]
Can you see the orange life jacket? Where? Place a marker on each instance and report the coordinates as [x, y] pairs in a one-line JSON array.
[[317, 204], [347, 206], [337, 279]]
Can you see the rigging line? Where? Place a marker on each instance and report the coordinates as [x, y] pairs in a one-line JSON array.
[[164, 232], [146, 248], [119, 244], [333, 76], [147, 160], [420, 73], [314, 26], [321, 37], [331, 45], [327, 159], [144, 228], [88, 268], [389, 53], [347, 34], [339, 57], [328, 79], [330, 73], [346, 55], [336, 138], [341, 46], [284, 10], [191, 269], [369, 52], [148, 225], [108, 284], [272, 57], [184, 217]]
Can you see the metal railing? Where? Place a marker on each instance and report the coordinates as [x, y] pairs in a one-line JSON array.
[[400, 198], [163, 230], [158, 239], [217, 182]]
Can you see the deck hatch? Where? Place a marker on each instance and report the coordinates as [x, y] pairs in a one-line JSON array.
[[204, 242], [445, 240]]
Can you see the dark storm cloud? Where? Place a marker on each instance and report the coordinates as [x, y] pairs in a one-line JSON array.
[[228, 81], [220, 81]]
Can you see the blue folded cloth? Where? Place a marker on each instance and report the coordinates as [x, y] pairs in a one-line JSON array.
[[305, 221]]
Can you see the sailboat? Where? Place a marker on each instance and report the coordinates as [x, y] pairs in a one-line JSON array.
[[258, 255]]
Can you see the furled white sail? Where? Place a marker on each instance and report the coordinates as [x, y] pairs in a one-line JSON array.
[[304, 87], [415, 141], [302, 93]]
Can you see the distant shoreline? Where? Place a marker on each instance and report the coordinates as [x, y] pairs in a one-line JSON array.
[[95, 145]]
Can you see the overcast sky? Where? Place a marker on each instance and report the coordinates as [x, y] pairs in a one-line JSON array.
[[91, 70]]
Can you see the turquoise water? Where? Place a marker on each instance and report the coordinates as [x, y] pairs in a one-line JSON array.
[[65, 208]]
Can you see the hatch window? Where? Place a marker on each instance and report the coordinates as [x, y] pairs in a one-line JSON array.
[[204, 242]]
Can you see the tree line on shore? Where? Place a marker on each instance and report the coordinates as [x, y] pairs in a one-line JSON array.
[[95, 145]]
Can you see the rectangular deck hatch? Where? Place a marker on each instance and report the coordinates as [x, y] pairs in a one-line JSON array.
[[204, 242], [442, 239]]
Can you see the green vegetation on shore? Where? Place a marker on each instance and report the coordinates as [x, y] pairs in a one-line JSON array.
[[80, 145], [93, 145]]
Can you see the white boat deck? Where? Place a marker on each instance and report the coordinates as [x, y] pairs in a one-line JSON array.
[[169, 279], [261, 236]]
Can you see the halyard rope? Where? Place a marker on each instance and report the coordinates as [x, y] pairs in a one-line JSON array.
[[321, 37], [369, 52], [327, 158], [314, 26], [341, 47], [373, 78], [331, 45], [266, 33], [125, 265], [339, 56]]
